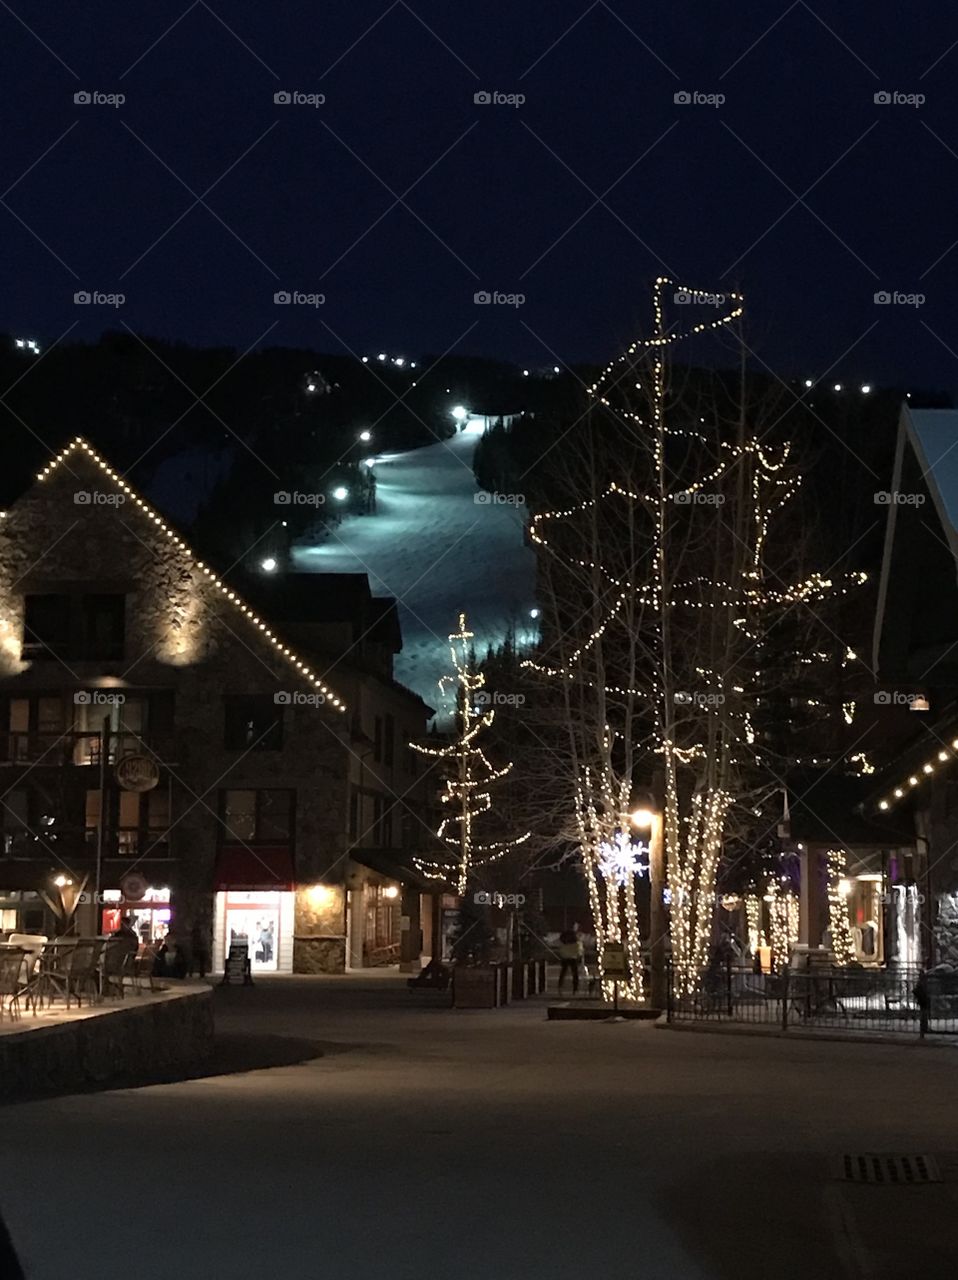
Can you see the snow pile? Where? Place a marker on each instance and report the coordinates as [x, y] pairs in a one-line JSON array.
[[440, 547]]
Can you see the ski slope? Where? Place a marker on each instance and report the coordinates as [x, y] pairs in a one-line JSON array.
[[440, 547]]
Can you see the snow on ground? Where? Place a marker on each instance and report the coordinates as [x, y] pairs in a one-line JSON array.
[[440, 547]]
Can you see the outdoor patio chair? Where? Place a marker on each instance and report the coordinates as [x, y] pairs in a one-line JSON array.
[[50, 978], [82, 970], [32, 944], [113, 965], [11, 983], [140, 967]]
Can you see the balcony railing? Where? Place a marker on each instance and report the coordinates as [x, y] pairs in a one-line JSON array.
[[80, 846], [59, 749]]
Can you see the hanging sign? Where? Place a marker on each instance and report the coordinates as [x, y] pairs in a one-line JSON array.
[[137, 773], [134, 887]]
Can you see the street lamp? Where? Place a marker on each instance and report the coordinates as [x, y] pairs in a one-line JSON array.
[[340, 493], [460, 413], [268, 565], [365, 436], [647, 815]]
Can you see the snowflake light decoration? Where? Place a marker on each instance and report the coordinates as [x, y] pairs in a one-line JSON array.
[[622, 858]]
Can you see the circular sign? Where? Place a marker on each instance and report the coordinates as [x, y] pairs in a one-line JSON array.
[[137, 773], [133, 886]]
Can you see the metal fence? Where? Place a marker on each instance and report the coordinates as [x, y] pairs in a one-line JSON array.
[[893, 1001]]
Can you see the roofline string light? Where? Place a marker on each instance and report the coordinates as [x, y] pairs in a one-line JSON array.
[[78, 443], [909, 783]]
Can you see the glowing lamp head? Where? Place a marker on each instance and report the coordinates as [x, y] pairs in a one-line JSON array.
[[365, 436], [808, 382], [268, 565], [460, 413], [642, 817], [866, 388], [533, 613], [391, 891], [340, 493]]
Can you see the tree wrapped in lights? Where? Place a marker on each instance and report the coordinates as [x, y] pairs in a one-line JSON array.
[[839, 926], [783, 912], [468, 773], [664, 621]]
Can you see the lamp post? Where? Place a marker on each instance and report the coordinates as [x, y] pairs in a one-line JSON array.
[[649, 817]]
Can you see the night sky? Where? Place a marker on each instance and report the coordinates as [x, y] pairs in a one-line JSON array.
[[400, 197]]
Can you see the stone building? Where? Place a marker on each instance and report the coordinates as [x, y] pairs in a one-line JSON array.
[[180, 751]]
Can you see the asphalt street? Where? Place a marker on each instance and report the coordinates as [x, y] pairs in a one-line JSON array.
[[429, 1142]]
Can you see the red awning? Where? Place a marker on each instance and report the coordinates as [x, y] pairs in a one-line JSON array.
[[254, 869]]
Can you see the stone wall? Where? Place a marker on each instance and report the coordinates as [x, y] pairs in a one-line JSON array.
[[319, 955], [141, 1039], [319, 932]]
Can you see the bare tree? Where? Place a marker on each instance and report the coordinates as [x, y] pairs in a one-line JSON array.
[[664, 609]]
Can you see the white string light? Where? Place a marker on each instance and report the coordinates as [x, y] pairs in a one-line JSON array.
[[79, 445]]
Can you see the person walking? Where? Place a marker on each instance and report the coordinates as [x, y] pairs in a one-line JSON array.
[[570, 956]]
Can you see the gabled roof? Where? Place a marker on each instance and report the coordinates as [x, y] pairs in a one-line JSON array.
[[81, 447], [916, 620]]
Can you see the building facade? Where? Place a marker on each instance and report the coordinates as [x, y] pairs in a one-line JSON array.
[[174, 752]]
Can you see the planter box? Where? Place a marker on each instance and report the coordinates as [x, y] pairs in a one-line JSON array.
[[474, 988]]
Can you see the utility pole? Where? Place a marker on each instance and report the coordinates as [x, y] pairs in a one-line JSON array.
[[104, 754]]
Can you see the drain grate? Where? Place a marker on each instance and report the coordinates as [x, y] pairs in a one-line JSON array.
[[890, 1171]]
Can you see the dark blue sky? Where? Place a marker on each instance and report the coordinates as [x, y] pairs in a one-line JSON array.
[[500, 195]]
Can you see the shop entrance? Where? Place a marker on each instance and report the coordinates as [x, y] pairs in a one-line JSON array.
[[253, 918]]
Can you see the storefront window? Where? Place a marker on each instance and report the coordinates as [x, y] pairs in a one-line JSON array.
[[151, 916], [253, 918]]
